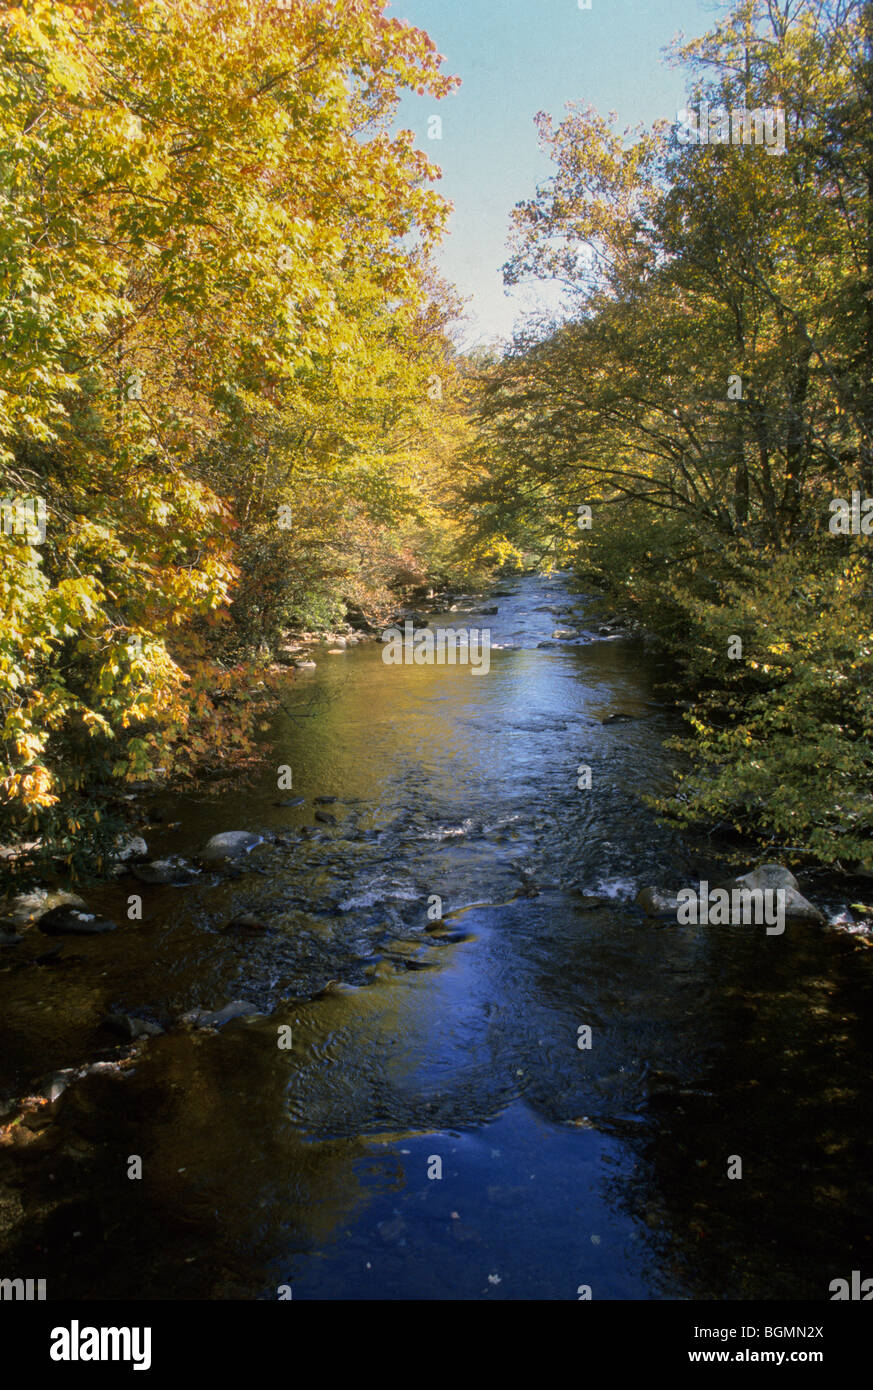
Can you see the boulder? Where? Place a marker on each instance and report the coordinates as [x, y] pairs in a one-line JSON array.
[[69, 921], [799, 909], [114, 1069], [58, 1083], [766, 876], [775, 876], [129, 847], [229, 846], [25, 908], [657, 902]]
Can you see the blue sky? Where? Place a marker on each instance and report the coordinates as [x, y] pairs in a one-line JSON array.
[[517, 57]]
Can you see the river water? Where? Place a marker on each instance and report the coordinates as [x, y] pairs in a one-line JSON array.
[[435, 1130]]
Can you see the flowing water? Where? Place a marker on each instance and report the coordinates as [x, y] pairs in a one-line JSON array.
[[435, 1130]]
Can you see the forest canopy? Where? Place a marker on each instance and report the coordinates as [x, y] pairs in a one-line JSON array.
[[708, 395], [221, 335]]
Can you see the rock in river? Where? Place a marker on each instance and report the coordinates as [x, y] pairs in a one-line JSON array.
[[775, 878], [128, 1027], [766, 876], [29, 907], [246, 921], [217, 1018], [129, 847], [230, 845], [657, 902], [69, 921], [174, 870]]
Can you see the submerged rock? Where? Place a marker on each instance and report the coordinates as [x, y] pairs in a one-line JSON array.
[[69, 921], [334, 989], [246, 921], [217, 1018], [174, 870], [657, 902], [128, 1027], [52, 956]]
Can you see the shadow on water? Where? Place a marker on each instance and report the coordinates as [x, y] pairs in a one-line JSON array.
[[436, 1130]]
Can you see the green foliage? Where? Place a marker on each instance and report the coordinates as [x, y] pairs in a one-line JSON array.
[[783, 737], [215, 298], [709, 392]]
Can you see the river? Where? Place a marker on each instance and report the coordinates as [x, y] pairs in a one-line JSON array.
[[435, 1130]]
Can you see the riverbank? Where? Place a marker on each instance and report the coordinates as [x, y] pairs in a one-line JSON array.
[[415, 1037]]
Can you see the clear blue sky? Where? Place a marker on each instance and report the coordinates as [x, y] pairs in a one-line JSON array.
[[517, 57]]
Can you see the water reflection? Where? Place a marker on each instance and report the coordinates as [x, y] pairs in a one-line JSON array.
[[560, 1166]]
